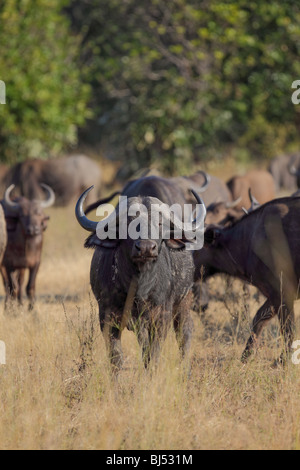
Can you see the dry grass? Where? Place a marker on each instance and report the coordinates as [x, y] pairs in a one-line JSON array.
[[56, 391]]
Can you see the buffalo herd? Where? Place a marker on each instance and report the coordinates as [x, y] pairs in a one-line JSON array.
[[147, 283]]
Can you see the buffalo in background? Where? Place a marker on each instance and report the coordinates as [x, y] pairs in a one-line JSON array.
[[262, 249], [25, 222], [284, 171], [68, 177], [248, 192], [260, 182]]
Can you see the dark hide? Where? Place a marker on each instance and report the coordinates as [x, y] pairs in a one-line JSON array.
[[25, 229], [262, 249], [161, 298]]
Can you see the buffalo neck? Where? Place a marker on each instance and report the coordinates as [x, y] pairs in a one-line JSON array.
[[237, 244], [148, 275]]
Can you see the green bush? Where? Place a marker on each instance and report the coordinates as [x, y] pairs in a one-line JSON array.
[[45, 97], [177, 81]]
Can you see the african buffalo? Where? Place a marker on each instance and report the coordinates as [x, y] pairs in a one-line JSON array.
[[226, 213], [260, 182], [26, 223], [67, 176], [176, 190], [141, 283], [280, 169], [262, 249]]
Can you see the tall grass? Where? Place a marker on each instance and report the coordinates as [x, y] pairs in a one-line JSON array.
[[56, 391]]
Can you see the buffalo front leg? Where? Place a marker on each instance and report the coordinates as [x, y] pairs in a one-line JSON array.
[[10, 285], [158, 328], [144, 341], [151, 332], [263, 315], [30, 289], [183, 325], [111, 329], [21, 276]]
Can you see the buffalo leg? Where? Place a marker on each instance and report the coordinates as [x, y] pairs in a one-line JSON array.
[[263, 315], [21, 276], [112, 335], [183, 325], [152, 333], [10, 286], [30, 289], [286, 317], [142, 330], [158, 329]]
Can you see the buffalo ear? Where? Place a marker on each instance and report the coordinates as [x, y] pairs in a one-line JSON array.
[[175, 244], [93, 242], [211, 236]]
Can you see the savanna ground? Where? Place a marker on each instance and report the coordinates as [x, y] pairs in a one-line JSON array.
[[57, 392]]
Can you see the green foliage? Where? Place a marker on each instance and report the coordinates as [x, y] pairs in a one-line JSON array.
[[179, 80], [46, 99]]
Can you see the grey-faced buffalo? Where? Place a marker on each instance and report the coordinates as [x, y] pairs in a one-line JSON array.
[[260, 182], [67, 176], [262, 249], [26, 222], [141, 283], [177, 190]]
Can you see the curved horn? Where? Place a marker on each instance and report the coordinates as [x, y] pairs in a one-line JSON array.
[[51, 199], [85, 223], [9, 202], [231, 205], [195, 223], [98, 203], [199, 219], [254, 202], [206, 181]]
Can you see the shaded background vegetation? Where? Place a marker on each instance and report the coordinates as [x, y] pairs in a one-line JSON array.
[[170, 83]]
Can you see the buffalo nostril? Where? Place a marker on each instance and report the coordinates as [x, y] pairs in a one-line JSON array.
[[138, 246]]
